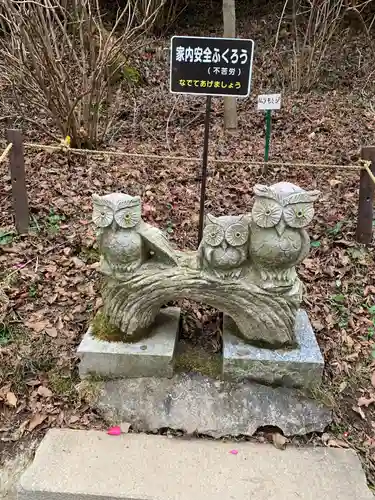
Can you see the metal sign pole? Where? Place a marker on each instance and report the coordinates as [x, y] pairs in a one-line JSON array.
[[204, 167], [210, 66], [268, 135]]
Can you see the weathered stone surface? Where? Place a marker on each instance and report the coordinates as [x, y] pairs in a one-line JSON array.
[[301, 367], [199, 404], [244, 266], [89, 465], [149, 357]]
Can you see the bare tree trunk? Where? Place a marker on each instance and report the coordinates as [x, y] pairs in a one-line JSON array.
[[230, 104]]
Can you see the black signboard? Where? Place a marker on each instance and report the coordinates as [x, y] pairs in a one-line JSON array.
[[211, 66]]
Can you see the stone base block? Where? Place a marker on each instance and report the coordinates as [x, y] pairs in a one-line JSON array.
[[150, 357], [301, 367]]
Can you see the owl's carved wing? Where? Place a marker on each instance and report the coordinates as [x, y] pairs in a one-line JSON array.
[[158, 243], [305, 247]]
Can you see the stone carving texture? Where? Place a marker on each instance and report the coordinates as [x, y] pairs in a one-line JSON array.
[[244, 266]]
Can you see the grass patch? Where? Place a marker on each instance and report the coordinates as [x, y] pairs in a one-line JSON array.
[[193, 359], [7, 237], [61, 385], [6, 334]]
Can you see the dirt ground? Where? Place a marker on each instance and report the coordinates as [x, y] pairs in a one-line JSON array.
[[50, 277]]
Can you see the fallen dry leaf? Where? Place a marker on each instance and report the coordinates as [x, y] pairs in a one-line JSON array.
[[125, 426], [337, 443], [334, 182], [37, 326], [373, 379], [359, 410], [36, 420], [51, 332], [52, 299], [11, 399], [78, 262], [44, 392], [325, 437], [362, 401], [279, 441], [33, 383], [19, 432], [60, 324], [343, 386]]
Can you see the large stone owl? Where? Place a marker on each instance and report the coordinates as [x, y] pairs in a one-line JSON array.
[[125, 241], [225, 245], [278, 239]]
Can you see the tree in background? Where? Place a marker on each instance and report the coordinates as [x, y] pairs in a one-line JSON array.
[[230, 103]]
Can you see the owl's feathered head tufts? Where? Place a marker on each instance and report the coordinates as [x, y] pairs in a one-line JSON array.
[[286, 193]]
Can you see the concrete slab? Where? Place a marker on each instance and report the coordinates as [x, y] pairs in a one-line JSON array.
[[89, 465], [149, 357], [301, 367], [197, 404]]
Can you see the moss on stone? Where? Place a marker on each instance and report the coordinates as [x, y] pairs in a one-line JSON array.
[[194, 359], [102, 329]]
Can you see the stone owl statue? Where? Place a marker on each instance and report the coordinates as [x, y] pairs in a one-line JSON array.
[[278, 239], [225, 245], [125, 240]]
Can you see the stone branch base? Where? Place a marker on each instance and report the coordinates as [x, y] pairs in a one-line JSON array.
[[150, 357], [301, 367]]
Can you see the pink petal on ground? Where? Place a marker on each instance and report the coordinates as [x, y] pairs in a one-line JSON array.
[[233, 452], [114, 431]]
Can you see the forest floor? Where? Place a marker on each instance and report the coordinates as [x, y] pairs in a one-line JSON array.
[[50, 277]]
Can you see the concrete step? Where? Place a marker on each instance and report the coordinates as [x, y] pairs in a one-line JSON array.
[[90, 465]]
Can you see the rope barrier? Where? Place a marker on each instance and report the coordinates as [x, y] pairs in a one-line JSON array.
[[64, 148], [6, 151]]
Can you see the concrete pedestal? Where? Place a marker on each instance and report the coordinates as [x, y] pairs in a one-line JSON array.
[[301, 367], [150, 357]]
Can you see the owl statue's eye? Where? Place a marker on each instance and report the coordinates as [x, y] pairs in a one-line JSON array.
[[128, 217], [266, 212], [102, 216], [213, 235], [298, 215], [237, 234]]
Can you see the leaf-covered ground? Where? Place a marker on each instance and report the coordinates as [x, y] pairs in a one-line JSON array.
[[49, 279]]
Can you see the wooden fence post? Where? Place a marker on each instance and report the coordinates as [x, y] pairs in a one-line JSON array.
[[366, 199], [17, 174]]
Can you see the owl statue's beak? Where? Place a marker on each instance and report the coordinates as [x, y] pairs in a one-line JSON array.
[[224, 245], [280, 227]]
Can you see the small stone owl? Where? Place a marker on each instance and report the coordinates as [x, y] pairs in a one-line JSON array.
[[125, 241], [224, 246], [278, 239]]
